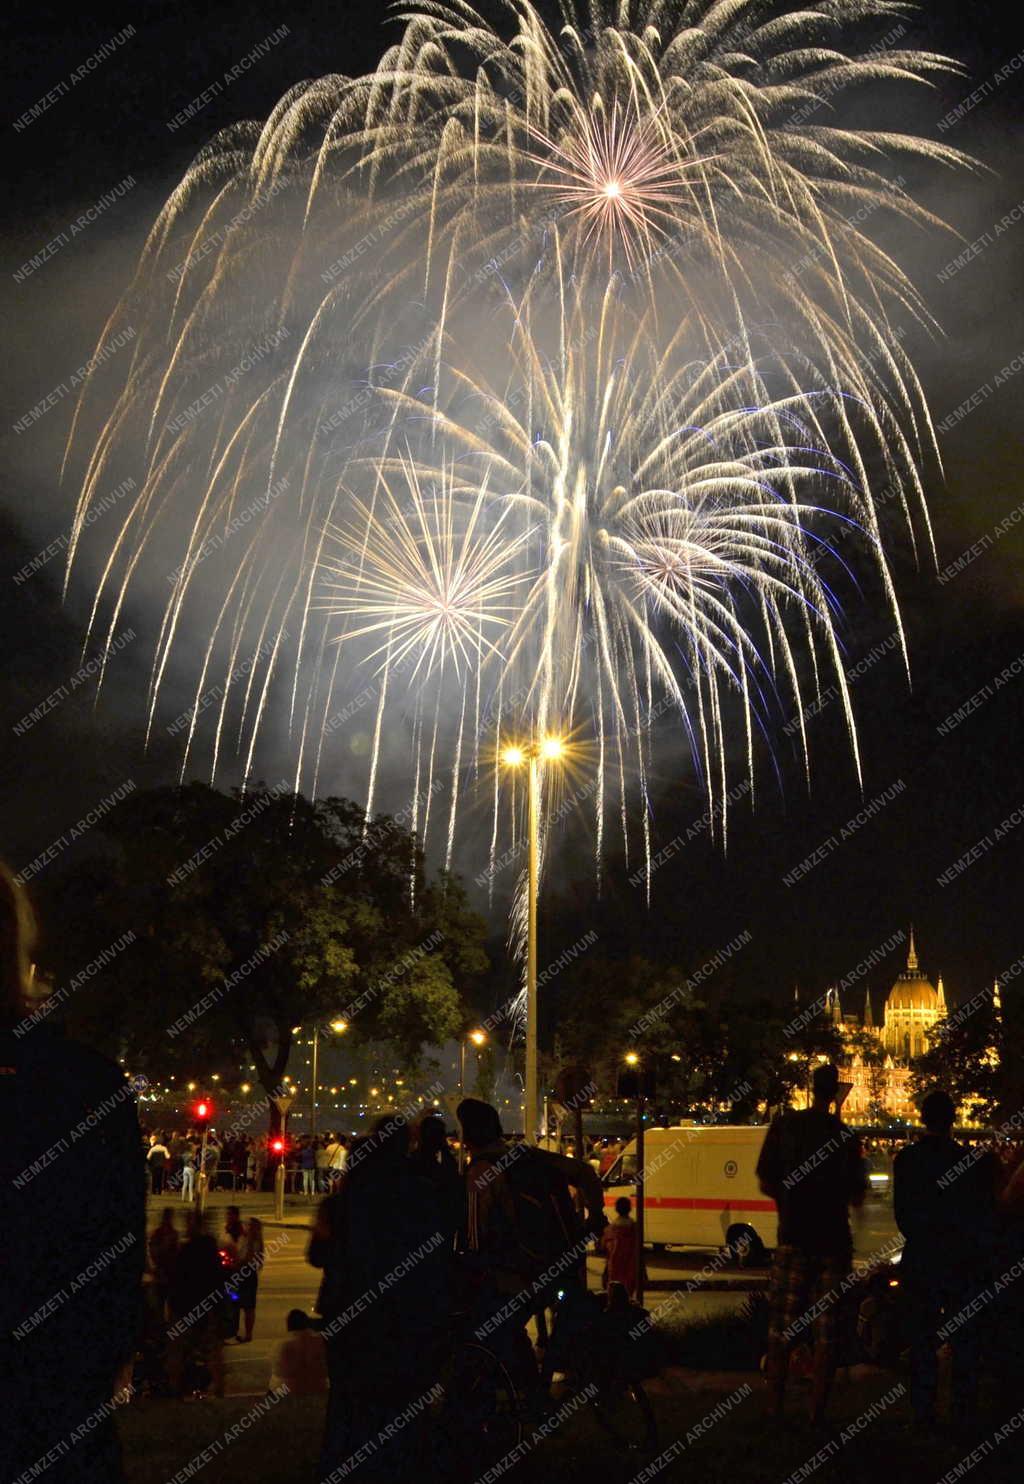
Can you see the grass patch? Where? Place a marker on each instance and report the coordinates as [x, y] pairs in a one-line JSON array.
[[722, 1342], [280, 1446], [736, 1446]]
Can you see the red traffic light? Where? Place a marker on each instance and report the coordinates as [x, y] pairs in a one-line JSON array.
[[278, 1146], [203, 1111]]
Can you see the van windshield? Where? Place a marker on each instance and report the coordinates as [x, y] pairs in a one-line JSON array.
[[623, 1171]]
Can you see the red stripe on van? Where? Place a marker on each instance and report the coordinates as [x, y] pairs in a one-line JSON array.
[[688, 1203]]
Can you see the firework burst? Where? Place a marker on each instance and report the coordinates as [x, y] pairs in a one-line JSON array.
[[532, 369], [619, 174], [432, 579]]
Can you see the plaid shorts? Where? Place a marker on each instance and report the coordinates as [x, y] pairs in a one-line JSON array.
[[804, 1297]]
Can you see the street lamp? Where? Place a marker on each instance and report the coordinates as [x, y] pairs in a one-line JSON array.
[[639, 1077], [547, 749], [339, 1027], [478, 1038]]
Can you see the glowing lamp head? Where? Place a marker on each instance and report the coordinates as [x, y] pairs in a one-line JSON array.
[[339, 1026], [513, 757], [478, 1037], [632, 1059]]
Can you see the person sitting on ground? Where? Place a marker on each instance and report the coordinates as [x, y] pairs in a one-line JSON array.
[[812, 1167], [300, 1361]]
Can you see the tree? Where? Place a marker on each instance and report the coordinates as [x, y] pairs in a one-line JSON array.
[[253, 914], [962, 1058], [873, 1056]]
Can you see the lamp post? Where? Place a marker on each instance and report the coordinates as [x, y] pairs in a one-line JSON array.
[[339, 1027], [633, 1062], [478, 1039], [532, 754]]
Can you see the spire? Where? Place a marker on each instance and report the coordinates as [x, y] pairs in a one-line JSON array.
[[912, 964], [869, 1019], [796, 994], [942, 997], [837, 1009], [997, 1000]]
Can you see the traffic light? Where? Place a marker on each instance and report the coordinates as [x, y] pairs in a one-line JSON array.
[[277, 1145], [202, 1112]]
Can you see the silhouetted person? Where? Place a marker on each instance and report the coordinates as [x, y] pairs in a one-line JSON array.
[[73, 1230], [163, 1253], [812, 1167], [251, 1257], [524, 1236], [196, 1308], [944, 1199], [384, 1299], [433, 1159], [1008, 1339], [156, 1162]]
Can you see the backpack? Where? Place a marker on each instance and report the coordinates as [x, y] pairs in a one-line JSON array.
[[546, 1221]]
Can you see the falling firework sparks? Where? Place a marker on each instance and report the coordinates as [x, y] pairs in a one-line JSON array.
[[667, 515], [381, 373]]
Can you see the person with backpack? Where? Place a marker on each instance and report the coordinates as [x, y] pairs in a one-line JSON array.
[[524, 1236]]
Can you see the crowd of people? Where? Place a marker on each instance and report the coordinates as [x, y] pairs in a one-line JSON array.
[[199, 1293], [238, 1161], [407, 1235], [407, 1241]]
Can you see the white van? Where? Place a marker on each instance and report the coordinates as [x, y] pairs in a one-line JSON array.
[[700, 1189]]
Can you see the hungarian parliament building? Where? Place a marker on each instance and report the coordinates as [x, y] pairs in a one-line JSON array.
[[881, 1088]]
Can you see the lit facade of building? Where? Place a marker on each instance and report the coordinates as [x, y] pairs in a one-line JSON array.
[[880, 1080]]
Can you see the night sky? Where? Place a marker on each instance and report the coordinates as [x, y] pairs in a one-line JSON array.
[[966, 631]]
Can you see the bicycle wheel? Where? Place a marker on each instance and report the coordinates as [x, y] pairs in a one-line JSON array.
[[624, 1411], [479, 1416]]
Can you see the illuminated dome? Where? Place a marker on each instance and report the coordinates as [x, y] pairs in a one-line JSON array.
[[912, 990]]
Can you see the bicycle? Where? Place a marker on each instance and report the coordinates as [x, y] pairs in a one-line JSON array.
[[483, 1414], [479, 1415], [601, 1360]]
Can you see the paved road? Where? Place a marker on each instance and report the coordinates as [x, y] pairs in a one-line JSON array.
[[288, 1282]]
